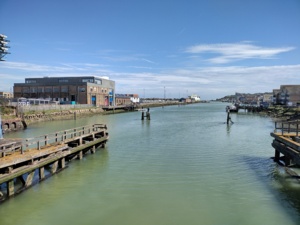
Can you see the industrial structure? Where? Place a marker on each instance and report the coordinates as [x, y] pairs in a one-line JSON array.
[[92, 90]]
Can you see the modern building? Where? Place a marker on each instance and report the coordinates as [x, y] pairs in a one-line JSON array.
[[91, 90]]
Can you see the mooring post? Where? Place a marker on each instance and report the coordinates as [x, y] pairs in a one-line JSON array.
[[228, 116], [148, 114], [143, 115]]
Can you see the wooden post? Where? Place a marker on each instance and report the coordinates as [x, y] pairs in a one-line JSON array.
[[143, 115], [63, 163], [228, 116], [80, 155], [29, 179], [287, 160], [10, 188], [46, 141], [42, 173], [93, 149], [148, 114], [277, 156], [54, 167], [9, 169]]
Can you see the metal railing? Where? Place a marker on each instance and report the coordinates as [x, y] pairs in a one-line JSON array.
[[287, 127]]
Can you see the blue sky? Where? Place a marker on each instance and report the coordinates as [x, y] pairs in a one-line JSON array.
[[211, 48]]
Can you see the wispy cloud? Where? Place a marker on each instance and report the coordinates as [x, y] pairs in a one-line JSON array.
[[229, 52], [209, 82]]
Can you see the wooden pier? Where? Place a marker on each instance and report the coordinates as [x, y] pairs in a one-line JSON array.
[[46, 155], [287, 143]]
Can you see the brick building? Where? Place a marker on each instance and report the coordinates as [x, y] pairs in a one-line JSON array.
[[127, 99]]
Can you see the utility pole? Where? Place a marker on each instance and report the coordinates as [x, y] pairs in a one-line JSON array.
[[1, 135], [3, 46]]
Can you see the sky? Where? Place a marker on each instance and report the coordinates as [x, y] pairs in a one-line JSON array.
[[157, 48]]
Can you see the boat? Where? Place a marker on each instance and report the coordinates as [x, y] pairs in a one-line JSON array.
[[232, 108]]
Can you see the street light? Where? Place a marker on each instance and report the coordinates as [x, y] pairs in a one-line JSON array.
[[3, 46]]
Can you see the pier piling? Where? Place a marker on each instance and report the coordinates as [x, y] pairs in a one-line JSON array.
[[49, 153]]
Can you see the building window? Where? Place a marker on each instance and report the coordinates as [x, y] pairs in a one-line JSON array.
[[82, 89], [55, 89], [63, 80], [40, 89], [88, 80], [30, 81], [48, 89], [98, 81], [33, 90], [64, 89], [25, 90]]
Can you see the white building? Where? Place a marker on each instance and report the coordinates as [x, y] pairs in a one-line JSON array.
[[195, 98]]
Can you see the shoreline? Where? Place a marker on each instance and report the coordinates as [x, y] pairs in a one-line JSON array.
[[276, 113]]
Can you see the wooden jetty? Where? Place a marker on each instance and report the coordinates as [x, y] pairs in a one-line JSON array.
[[287, 143], [26, 162]]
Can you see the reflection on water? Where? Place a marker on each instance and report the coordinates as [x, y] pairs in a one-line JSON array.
[[184, 166]]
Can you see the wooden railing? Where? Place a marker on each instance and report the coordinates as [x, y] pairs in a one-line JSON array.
[[60, 136]]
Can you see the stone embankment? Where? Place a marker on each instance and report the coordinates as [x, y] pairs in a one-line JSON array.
[[66, 114], [13, 123], [281, 113]]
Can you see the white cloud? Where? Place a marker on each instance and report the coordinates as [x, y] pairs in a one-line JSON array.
[[208, 82], [228, 52]]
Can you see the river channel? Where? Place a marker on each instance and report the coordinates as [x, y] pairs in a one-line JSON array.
[[184, 166]]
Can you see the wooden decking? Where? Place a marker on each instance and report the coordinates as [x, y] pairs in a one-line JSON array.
[[46, 154], [287, 143]]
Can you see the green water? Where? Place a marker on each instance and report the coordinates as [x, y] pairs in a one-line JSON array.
[[185, 166]]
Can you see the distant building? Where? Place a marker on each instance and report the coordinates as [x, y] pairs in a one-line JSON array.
[[127, 99], [276, 93], [195, 98], [91, 90], [287, 95], [6, 94]]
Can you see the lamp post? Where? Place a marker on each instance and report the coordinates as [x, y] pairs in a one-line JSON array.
[[3, 46], [1, 135]]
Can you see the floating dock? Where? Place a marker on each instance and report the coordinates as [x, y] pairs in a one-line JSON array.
[[287, 143], [26, 162]]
